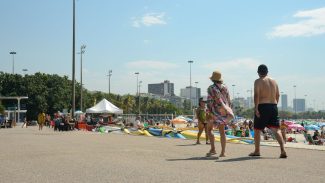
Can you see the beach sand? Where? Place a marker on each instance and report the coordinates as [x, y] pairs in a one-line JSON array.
[[29, 155], [300, 144]]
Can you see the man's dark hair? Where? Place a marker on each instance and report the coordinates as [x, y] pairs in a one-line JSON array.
[[262, 70]]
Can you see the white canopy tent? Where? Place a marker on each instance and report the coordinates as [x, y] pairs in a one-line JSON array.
[[104, 106]]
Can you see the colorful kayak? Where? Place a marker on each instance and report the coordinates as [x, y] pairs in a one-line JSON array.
[[165, 133], [126, 131], [190, 134], [155, 131]]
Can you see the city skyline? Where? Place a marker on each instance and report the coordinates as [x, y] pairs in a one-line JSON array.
[[158, 38]]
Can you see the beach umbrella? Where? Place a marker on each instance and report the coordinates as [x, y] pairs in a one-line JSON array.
[[178, 120], [312, 127], [289, 122], [295, 126], [182, 118]]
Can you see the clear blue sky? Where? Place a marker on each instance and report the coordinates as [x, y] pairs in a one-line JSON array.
[[157, 38]]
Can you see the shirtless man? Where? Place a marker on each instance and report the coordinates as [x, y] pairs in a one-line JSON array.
[[266, 98]]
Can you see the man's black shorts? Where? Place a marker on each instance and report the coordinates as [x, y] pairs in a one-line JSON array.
[[268, 117]]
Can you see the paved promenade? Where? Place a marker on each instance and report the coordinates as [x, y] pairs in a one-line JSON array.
[[29, 155]]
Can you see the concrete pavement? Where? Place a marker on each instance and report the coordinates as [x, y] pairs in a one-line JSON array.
[[29, 155]]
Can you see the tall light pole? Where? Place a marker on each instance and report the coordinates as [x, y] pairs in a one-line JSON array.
[[196, 93], [295, 101], [25, 71], [139, 95], [109, 81], [82, 51], [250, 102], [73, 61], [13, 53], [137, 73], [190, 62], [233, 92]]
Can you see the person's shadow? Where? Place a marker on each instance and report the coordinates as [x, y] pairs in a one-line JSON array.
[[246, 158], [195, 158], [184, 145]]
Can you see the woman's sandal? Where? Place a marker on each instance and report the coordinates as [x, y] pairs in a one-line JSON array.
[[284, 155], [254, 154], [210, 154]]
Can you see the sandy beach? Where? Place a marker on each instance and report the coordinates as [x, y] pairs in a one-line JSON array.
[[29, 155]]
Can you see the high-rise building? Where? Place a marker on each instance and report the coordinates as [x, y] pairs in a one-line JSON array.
[[248, 103], [194, 92], [284, 102], [299, 105], [164, 89]]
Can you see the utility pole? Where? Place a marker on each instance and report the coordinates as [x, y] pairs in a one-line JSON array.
[[109, 81], [137, 73], [13, 53], [73, 62], [82, 51], [190, 62]]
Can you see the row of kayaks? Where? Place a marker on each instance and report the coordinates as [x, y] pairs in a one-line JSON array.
[[173, 133]]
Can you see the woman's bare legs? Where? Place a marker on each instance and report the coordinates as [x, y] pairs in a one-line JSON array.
[[211, 137], [222, 139], [206, 133], [201, 127]]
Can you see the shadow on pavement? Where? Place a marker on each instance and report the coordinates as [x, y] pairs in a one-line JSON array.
[[218, 160], [184, 145], [195, 158], [246, 158]]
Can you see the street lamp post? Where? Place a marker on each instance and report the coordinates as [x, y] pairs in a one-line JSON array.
[[139, 95], [295, 101], [109, 81], [137, 73], [190, 62], [196, 93], [25, 71], [13, 53], [251, 98], [82, 51], [233, 92], [73, 62]]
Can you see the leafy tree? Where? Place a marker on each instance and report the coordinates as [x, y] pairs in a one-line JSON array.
[[2, 109], [128, 104], [52, 93]]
